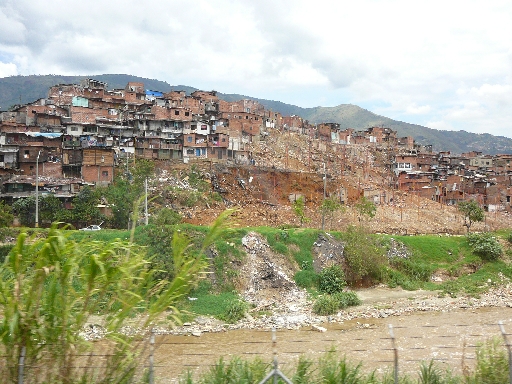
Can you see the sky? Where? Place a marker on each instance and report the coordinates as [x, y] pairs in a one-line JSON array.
[[441, 64]]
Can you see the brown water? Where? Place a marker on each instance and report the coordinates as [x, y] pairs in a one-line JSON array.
[[449, 338]]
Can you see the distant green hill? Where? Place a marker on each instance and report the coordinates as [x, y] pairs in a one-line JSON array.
[[26, 89]]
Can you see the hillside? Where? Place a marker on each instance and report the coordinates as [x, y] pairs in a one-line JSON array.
[[26, 89]]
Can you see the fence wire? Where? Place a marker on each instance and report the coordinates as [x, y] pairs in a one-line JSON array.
[[384, 349]]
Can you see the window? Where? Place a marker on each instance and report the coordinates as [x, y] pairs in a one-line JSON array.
[[204, 127], [176, 112], [104, 173], [74, 129], [26, 155], [189, 139], [187, 113]]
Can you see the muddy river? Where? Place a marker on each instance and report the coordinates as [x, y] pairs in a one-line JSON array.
[[449, 337]]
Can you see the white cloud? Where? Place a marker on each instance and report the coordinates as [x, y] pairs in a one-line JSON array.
[[418, 109], [8, 69], [436, 63]]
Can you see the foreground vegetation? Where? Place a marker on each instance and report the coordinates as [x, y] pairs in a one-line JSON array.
[[491, 367], [53, 280], [467, 265], [51, 286]]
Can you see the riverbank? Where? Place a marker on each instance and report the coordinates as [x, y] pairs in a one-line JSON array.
[[295, 311], [379, 302]]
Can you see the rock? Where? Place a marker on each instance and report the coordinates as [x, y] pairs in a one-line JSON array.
[[318, 328]]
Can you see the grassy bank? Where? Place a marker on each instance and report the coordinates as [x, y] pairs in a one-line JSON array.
[[448, 264]]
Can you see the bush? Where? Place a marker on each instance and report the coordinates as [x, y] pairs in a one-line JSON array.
[[5, 249], [236, 310], [365, 258], [325, 305], [166, 216], [414, 268], [509, 238], [306, 279], [485, 245], [346, 299], [332, 280], [491, 363]]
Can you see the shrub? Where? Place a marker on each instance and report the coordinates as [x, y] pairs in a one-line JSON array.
[[491, 363], [414, 268], [166, 216], [4, 251], [346, 299], [236, 310], [509, 238], [364, 257], [331, 280], [485, 245], [325, 305], [306, 279]]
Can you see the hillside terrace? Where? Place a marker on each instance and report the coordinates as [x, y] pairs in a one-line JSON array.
[[75, 122]]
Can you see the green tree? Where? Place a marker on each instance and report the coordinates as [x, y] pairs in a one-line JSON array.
[[127, 190], [50, 287], [471, 212], [143, 169], [121, 196], [25, 210], [329, 207], [50, 209], [85, 208], [365, 209], [6, 216], [299, 208]]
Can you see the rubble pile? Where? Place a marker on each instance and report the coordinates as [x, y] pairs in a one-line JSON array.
[[289, 164], [327, 251], [267, 278]]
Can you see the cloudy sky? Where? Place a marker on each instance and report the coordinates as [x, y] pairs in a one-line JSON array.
[[442, 64]]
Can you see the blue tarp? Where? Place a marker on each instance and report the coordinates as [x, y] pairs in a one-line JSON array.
[[149, 92]]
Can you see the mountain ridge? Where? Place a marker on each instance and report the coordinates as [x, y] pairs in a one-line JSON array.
[[26, 89]]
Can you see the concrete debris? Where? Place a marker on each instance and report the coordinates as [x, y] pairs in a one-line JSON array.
[[318, 328]]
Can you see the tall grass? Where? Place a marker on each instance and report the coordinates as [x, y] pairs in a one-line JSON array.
[[332, 368]]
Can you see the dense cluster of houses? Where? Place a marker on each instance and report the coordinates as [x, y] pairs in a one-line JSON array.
[[81, 132], [450, 178]]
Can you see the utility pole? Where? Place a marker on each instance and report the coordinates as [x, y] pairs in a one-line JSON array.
[[146, 201], [323, 210], [37, 189]]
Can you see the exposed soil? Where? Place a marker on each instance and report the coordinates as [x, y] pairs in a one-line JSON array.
[[287, 167]]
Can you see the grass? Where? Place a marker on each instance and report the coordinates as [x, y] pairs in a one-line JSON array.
[[463, 271], [491, 368], [207, 304]]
